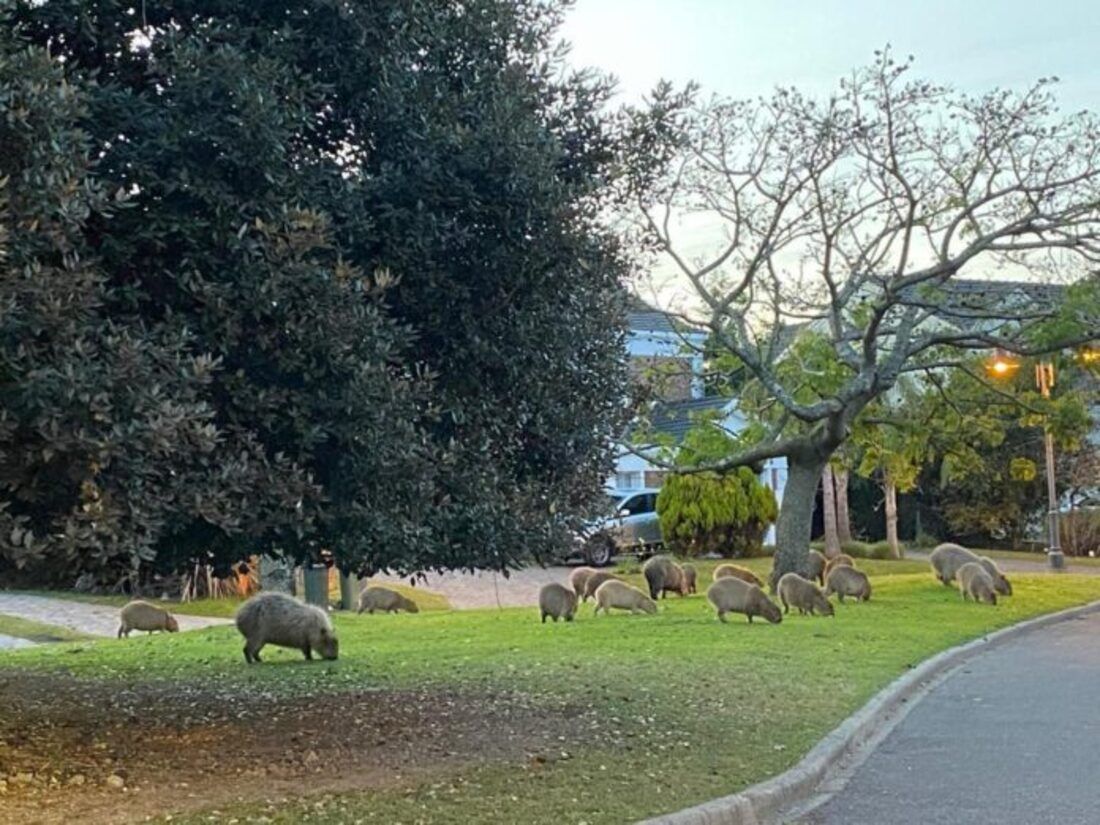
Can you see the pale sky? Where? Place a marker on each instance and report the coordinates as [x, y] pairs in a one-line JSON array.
[[745, 48]]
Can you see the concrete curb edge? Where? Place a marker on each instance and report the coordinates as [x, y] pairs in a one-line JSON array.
[[762, 802]]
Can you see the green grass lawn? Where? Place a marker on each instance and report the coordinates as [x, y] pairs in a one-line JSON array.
[[37, 631], [691, 709]]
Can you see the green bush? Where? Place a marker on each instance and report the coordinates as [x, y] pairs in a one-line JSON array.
[[710, 513]]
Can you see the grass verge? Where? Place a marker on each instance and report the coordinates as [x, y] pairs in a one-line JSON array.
[[37, 631], [688, 709]]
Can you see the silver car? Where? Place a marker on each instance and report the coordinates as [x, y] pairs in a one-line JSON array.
[[630, 526]]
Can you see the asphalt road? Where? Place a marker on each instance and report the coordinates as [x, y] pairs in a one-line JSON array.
[[1011, 737]]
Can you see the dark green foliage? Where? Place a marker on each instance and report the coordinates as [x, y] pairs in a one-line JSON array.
[[710, 513], [377, 227]]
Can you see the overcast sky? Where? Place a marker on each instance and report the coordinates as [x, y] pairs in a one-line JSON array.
[[747, 47]]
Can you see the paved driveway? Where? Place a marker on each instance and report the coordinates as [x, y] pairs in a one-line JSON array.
[[1011, 736], [482, 589], [93, 619]]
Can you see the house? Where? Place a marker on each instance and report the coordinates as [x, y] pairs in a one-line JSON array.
[[668, 355]]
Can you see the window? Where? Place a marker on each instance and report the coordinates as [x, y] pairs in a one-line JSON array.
[[637, 505], [631, 480]]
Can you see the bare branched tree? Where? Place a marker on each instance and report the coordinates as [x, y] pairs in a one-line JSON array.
[[854, 216]]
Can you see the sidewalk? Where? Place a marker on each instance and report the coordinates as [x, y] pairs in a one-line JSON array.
[[1009, 737], [93, 619]]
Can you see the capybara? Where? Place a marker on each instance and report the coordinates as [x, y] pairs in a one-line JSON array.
[[557, 602], [690, 577], [733, 595], [723, 571], [976, 583], [803, 594], [579, 577], [384, 600], [1002, 585], [663, 575], [839, 560], [281, 620], [946, 560], [593, 582], [815, 566], [847, 581], [614, 593], [139, 615]]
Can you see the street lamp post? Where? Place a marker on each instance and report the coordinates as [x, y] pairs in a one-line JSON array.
[[1044, 377], [1002, 366]]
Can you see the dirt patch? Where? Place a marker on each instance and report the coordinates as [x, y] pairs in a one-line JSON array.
[[74, 749]]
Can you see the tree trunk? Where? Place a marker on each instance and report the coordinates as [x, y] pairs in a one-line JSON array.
[[828, 503], [843, 519], [792, 528], [891, 491]]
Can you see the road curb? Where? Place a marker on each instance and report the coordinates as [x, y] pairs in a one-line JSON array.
[[762, 803]]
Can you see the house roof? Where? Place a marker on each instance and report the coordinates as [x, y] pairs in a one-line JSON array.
[[643, 317], [675, 418], [968, 301]]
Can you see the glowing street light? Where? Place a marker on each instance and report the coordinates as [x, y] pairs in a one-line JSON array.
[[1004, 365]]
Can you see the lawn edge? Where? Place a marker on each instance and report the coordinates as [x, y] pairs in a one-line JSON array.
[[853, 738]]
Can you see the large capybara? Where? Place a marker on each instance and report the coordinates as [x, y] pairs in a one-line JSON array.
[[723, 571], [663, 575], [557, 602], [139, 615], [803, 595], [1000, 583], [620, 595], [946, 560], [384, 600], [690, 577], [839, 560], [593, 582], [976, 583], [847, 581], [815, 566], [733, 595], [281, 620], [579, 577]]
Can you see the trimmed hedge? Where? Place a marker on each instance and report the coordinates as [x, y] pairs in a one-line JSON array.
[[710, 513]]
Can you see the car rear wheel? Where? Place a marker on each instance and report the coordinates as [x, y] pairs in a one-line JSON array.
[[599, 550]]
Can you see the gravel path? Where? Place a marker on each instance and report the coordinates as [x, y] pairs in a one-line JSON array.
[[93, 619], [1008, 737], [482, 589]]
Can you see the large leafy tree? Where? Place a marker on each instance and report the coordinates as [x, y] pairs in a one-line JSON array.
[[382, 223], [857, 214], [108, 442]]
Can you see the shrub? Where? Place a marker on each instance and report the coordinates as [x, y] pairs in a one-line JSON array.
[[1080, 532], [710, 513], [868, 550]]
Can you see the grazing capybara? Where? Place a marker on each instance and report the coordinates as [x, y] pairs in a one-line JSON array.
[[733, 595], [593, 582], [281, 620], [579, 577], [839, 560], [946, 560], [1002, 585], [975, 583], [139, 615], [847, 581], [557, 602], [723, 571], [620, 595], [815, 566], [663, 575], [690, 577], [384, 600], [804, 595]]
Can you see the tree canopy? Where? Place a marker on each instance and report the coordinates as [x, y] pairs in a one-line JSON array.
[[357, 251]]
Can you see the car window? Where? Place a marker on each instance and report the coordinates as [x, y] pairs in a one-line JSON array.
[[638, 505]]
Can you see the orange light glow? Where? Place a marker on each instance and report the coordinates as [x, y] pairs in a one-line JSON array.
[[1002, 365]]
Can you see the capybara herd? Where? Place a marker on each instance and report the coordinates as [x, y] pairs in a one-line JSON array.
[[281, 620]]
